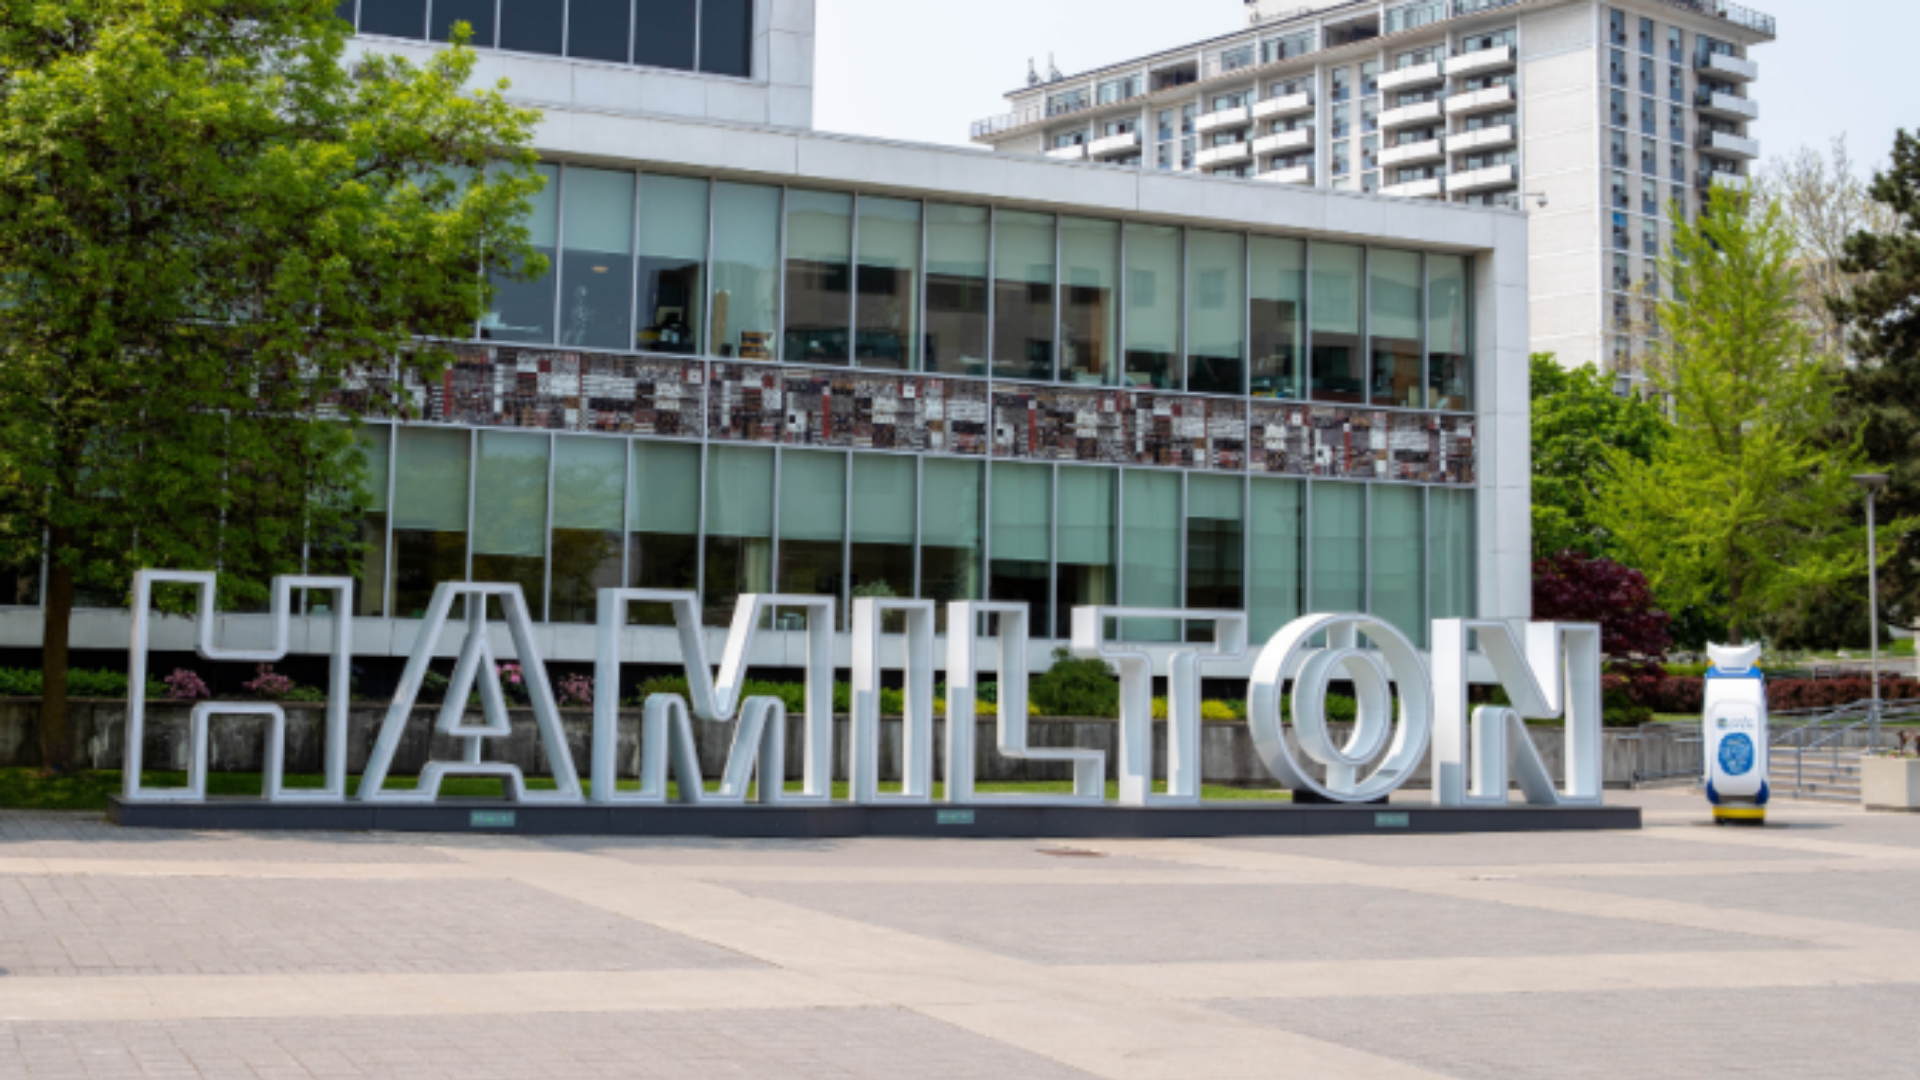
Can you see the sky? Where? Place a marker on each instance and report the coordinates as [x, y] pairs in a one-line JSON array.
[[923, 71]]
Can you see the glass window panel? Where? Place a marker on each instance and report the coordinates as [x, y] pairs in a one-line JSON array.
[[596, 262], [663, 33], [1338, 368], [589, 482], [1150, 574], [950, 532], [819, 277], [663, 518], [1274, 592], [1154, 306], [510, 516], [957, 245], [523, 310], [673, 256], [1217, 312], [344, 11], [370, 594], [881, 552], [475, 13], [813, 522], [746, 266], [1022, 523], [598, 29], [533, 26], [1449, 333], [430, 515], [1089, 345], [1216, 547], [1393, 299], [887, 284], [1088, 516], [726, 37], [394, 18], [1397, 538], [1279, 290], [739, 539], [1450, 554], [1339, 581], [1023, 295]]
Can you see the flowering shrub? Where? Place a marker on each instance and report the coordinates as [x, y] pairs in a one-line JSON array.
[[576, 690], [513, 682], [184, 685], [269, 685]]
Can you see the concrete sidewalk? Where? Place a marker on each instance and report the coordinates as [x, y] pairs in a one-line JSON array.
[[1682, 951]]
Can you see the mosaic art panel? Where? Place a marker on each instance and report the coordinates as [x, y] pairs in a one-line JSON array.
[[747, 403], [1049, 423], [1189, 432], [1457, 451], [849, 409]]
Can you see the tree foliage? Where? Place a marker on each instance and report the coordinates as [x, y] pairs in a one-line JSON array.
[[213, 235], [1577, 418], [1882, 396], [1823, 202], [1570, 587], [1749, 504]]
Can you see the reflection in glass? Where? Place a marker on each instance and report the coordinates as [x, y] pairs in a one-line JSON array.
[[663, 524], [739, 547], [1023, 295], [888, 284], [673, 256], [957, 244], [1088, 515], [394, 18], [1450, 555], [1216, 548], [475, 13], [596, 261], [1339, 368], [1278, 310], [370, 592], [510, 517], [663, 33], [1217, 299], [1150, 573], [533, 26], [1339, 547], [746, 268], [950, 532], [597, 29], [1449, 334], [813, 524], [726, 37], [523, 310], [1090, 324], [1153, 307], [1393, 300], [819, 277], [1396, 537], [1274, 586], [429, 516], [589, 481], [881, 554], [1022, 524]]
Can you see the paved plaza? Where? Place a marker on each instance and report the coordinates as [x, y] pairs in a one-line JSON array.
[[1680, 951]]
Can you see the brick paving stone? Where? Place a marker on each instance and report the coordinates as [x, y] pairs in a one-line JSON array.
[[1878, 898], [800, 1044], [1855, 1033], [1511, 849], [106, 925], [1174, 923], [1066, 856], [89, 836]]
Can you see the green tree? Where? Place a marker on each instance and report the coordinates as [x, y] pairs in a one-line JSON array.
[[1882, 396], [1577, 419], [1749, 505], [214, 240]]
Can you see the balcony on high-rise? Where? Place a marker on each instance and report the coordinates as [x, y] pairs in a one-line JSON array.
[[1238, 116], [1284, 142], [1493, 97], [1279, 108], [1418, 153], [1422, 112], [1112, 146], [1480, 60], [1410, 78]]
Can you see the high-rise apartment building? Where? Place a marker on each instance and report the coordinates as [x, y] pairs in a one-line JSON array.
[[1614, 111]]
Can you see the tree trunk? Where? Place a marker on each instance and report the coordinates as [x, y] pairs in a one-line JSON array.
[[56, 740]]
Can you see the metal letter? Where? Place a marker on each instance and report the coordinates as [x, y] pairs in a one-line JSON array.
[[916, 721], [1089, 766], [1558, 676]]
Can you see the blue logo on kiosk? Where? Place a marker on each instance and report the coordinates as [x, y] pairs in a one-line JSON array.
[[1736, 755]]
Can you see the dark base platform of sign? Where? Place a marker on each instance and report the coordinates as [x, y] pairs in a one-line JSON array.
[[840, 821]]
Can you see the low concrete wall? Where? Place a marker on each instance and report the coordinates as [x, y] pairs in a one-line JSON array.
[[236, 744]]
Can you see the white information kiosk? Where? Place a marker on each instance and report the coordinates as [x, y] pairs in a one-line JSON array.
[[1735, 730]]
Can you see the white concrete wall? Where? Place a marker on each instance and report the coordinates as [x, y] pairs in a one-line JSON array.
[[779, 93], [1560, 58]]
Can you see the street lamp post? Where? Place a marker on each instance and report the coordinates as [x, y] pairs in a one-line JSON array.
[[1873, 482]]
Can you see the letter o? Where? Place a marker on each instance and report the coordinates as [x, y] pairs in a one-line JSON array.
[[1411, 731]]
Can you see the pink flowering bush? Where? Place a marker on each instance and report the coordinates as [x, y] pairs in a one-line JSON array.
[[184, 685], [513, 681], [269, 685], [576, 690]]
